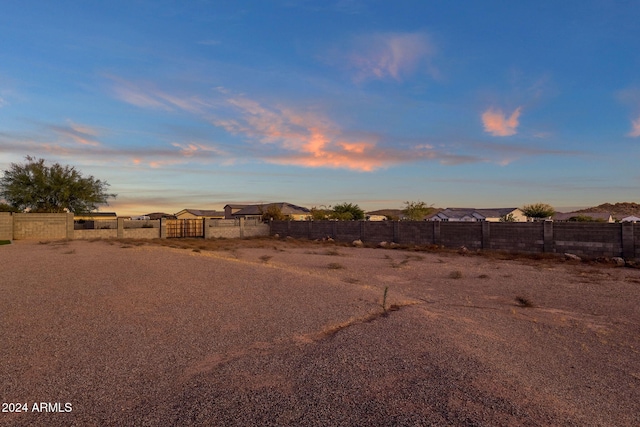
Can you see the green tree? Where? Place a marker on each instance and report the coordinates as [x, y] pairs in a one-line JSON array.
[[416, 211], [538, 211], [272, 213], [8, 208], [319, 214], [36, 187], [347, 212], [508, 218]]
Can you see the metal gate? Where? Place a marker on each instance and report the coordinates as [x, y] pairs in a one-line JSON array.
[[185, 228]]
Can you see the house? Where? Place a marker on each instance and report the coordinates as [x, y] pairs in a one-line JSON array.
[[583, 216], [473, 214], [229, 210], [370, 217], [199, 214], [160, 215], [292, 212], [631, 218]]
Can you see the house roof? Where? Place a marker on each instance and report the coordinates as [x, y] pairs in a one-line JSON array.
[[495, 212], [235, 206], [631, 218], [285, 208], [158, 215], [202, 212]]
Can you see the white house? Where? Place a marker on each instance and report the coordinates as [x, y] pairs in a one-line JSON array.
[[473, 214]]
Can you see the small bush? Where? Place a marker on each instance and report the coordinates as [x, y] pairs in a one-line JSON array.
[[5, 242], [335, 266], [455, 274], [524, 302], [265, 258], [483, 276]]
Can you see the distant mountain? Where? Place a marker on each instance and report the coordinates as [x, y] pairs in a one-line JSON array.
[[617, 210]]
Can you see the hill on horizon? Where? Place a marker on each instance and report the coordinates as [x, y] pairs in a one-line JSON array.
[[617, 210]]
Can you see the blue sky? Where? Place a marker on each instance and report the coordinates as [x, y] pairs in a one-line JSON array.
[[196, 104]]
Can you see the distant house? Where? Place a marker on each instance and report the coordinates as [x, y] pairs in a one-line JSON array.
[[292, 212], [370, 217], [631, 218], [160, 215], [95, 216], [393, 214], [473, 214], [229, 210], [583, 216], [199, 214]]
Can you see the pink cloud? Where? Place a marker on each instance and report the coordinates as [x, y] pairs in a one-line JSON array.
[[635, 131], [308, 139], [80, 134], [389, 55], [497, 124]]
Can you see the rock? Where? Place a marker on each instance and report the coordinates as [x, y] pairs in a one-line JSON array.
[[357, 243], [463, 250], [394, 245], [572, 257], [618, 261], [277, 236], [383, 244], [329, 239]]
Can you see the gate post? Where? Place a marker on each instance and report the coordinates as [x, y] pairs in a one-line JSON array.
[[241, 227], [163, 228], [120, 232]]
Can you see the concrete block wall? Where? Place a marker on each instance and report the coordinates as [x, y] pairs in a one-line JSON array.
[[583, 239], [514, 236], [588, 239], [6, 226], [229, 230], [42, 226], [458, 234], [141, 233], [95, 234]]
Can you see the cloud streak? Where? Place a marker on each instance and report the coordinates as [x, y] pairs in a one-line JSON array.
[[388, 56], [497, 124], [635, 128]]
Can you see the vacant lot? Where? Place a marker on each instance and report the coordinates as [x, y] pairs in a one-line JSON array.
[[267, 332]]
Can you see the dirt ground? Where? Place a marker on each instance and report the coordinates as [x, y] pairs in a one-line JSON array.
[[287, 333]]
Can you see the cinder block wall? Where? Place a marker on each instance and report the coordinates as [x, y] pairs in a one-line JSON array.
[[6, 226], [42, 226], [95, 234], [583, 239]]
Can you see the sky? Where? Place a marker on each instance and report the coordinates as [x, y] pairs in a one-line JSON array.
[[197, 104]]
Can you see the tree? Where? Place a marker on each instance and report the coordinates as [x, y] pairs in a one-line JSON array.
[[538, 211], [347, 212], [319, 214], [8, 208], [272, 213], [36, 187], [416, 211], [508, 218]]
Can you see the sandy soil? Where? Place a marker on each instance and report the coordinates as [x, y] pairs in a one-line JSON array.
[[269, 332]]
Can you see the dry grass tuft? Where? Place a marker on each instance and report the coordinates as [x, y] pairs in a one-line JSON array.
[[455, 274]]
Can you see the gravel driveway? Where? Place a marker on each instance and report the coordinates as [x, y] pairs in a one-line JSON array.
[[289, 334]]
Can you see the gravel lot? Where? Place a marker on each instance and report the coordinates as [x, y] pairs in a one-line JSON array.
[[276, 333]]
